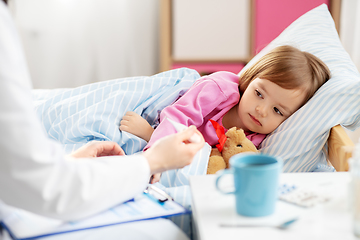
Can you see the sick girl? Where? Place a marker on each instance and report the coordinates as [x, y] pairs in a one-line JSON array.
[[258, 101]]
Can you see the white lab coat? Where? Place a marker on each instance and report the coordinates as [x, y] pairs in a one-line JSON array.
[[34, 172]]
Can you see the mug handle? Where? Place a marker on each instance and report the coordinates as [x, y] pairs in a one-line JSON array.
[[223, 173]]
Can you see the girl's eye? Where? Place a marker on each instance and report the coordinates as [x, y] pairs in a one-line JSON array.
[[258, 93], [278, 111]]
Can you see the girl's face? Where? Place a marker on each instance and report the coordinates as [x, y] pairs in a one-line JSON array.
[[265, 105]]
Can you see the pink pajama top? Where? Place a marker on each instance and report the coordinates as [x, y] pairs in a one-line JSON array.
[[211, 97]]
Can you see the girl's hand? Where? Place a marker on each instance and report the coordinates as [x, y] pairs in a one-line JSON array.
[[98, 149]]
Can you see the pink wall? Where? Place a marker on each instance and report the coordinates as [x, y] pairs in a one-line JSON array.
[[273, 16], [206, 68]]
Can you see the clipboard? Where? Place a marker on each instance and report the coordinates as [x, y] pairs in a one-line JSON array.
[[152, 203]]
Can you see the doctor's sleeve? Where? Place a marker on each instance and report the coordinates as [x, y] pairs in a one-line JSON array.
[[34, 172]]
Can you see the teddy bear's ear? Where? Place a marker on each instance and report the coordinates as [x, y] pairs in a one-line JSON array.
[[235, 132], [231, 131], [240, 131]]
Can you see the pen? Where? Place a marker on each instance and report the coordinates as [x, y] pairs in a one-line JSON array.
[[151, 189], [180, 127]]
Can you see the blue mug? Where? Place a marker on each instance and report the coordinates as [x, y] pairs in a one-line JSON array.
[[256, 181]]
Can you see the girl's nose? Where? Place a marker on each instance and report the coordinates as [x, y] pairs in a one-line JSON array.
[[261, 110]]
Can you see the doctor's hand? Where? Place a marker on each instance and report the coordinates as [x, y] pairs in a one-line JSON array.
[[173, 151], [98, 149]]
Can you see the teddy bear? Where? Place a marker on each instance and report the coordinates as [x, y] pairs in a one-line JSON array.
[[231, 143]]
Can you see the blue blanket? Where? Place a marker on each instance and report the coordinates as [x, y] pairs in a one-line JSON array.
[[93, 112]]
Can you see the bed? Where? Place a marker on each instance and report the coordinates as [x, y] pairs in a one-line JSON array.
[[311, 140], [340, 148]]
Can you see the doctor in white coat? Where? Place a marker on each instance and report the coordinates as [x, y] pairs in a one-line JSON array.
[[35, 175]]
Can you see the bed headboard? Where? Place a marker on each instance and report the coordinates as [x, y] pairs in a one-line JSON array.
[[340, 148]]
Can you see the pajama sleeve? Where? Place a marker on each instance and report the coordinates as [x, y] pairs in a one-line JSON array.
[[209, 97]]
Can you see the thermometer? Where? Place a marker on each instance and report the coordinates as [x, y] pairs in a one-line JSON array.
[[180, 127]]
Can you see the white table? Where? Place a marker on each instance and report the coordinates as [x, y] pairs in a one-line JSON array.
[[330, 220]]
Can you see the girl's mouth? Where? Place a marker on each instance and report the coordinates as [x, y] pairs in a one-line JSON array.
[[255, 120]]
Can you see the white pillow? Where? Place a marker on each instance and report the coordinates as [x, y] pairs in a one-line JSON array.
[[301, 138]]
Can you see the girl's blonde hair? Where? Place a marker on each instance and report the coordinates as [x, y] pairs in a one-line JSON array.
[[289, 68]]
